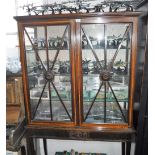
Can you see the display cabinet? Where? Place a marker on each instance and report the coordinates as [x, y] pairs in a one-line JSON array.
[[79, 69]]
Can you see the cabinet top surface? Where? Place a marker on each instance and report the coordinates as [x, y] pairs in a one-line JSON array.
[[78, 15]]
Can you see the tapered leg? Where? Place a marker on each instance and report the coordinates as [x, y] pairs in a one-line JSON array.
[[123, 148], [30, 146], [23, 151], [128, 148], [45, 145]]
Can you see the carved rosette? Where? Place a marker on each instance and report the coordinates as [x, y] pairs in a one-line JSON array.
[[49, 75], [105, 76]]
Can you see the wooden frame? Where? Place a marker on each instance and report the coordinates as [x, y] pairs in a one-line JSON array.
[[23, 59], [74, 20], [106, 20]]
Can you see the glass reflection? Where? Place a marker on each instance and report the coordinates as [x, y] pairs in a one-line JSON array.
[[48, 66], [105, 66]]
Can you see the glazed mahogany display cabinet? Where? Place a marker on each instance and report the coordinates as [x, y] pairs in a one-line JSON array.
[[79, 70]]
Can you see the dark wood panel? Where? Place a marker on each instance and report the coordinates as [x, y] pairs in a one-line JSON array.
[[142, 125], [68, 16], [81, 134]]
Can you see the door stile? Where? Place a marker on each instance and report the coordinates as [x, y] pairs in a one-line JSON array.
[[24, 71], [73, 72], [133, 69], [79, 76]]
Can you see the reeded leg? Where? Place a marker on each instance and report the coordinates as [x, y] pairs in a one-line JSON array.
[[30, 146], [123, 148], [128, 148], [45, 145], [23, 151]]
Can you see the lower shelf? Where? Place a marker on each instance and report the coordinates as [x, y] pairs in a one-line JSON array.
[[72, 152]]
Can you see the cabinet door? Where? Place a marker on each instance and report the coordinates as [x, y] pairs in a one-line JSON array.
[[48, 66], [105, 52]]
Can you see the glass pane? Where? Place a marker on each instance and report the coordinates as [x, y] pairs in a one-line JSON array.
[[49, 74], [106, 68]]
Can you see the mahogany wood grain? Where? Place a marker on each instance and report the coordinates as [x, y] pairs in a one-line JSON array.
[[12, 114], [75, 21]]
